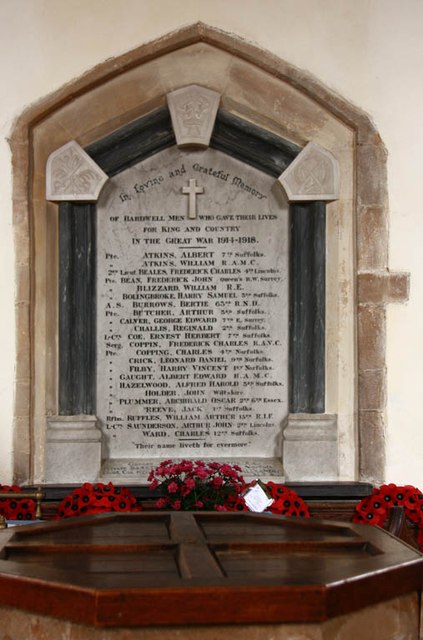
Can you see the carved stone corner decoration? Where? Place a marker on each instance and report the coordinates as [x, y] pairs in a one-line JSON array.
[[193, 111], [310, 447], [73, 449], [313, 175], [72, 175]]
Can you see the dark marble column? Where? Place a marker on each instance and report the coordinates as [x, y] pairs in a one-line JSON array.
[[307, 307]]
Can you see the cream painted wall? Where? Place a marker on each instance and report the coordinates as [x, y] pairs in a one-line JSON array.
[[369, 51]]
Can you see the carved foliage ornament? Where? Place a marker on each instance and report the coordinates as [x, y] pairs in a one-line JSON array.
[[313, 175], [72, 175], [193, 111]]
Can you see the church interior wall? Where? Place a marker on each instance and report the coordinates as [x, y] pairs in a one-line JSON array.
[[369, 54]]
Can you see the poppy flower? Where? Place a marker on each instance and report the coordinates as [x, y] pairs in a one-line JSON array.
[[15, 508], [374, 509], [286, 501], [235, 503], [98, 498]]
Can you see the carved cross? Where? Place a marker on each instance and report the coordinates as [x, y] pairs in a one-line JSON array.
[[192, 191]]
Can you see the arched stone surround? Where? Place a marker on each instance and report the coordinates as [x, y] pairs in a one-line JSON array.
[[267, 91]]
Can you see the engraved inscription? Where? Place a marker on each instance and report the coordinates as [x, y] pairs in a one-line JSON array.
[[192, 313]]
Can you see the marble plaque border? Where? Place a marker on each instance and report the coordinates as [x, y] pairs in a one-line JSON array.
[[246, 142]]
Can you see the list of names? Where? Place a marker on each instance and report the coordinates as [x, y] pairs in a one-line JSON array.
[[192, 310]]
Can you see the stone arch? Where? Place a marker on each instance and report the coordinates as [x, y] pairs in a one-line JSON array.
[[276, 96]]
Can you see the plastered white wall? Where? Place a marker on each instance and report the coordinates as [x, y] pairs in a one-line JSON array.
[[369, 51]]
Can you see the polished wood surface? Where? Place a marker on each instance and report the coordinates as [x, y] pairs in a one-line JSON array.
[[186, 567]]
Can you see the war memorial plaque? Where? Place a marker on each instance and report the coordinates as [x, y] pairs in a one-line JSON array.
[[192, 311]]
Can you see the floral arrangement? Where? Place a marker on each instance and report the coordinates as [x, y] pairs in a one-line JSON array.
[[197, 486], [200, 486], [98, 498], [184, 485], [16, 508], [374, 509], [213, 486]]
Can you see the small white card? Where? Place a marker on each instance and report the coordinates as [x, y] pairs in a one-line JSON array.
[[256, 499]]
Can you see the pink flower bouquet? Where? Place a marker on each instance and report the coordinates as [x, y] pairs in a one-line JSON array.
[[190, 485]]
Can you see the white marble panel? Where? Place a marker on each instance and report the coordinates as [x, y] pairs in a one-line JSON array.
[[192, 313]]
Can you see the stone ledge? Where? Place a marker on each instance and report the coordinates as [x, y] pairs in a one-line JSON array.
[[133, 471], [372, 184], [372, 238], [372, 389], [372, 446], [383, 287], [371, 336]]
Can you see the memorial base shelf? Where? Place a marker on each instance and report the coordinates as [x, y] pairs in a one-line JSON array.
[[135, 471]]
